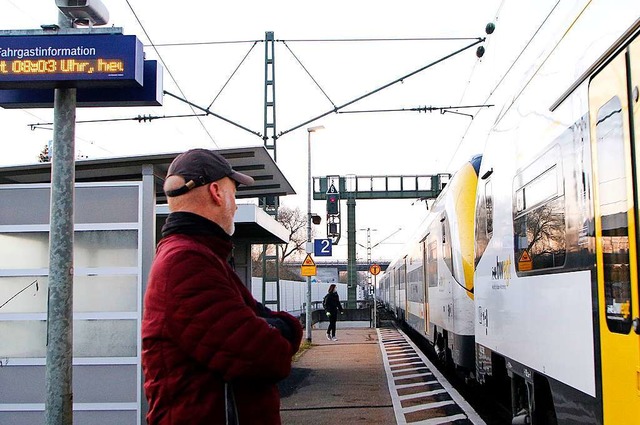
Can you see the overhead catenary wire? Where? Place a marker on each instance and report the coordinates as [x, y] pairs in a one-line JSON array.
[[209, 112], [492, 91], [13, 3], [488, 45], [201, 43], [335, 108], [35, 282], [232, 74], [41, 126], [308, 73], [401, 79], [441, 109], [335, 40], [168, 70], [139, 118], [308, 40]]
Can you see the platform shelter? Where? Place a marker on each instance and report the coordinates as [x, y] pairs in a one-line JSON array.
[[119, 210]]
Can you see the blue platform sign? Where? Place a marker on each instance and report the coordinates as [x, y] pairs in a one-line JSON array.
[[322, 247], [86, 60]]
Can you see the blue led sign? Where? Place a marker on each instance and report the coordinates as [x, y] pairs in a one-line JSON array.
[[88, 60]]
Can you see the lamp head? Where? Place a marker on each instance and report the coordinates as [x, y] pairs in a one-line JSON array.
[[314, 129]]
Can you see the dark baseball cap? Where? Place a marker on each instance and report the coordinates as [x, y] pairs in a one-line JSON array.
[[202, 166]]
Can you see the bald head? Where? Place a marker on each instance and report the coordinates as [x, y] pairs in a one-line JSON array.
[[214, 201], [189, 201]]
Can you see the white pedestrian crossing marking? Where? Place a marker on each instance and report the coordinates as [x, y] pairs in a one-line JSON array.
[[428, 406], [440, 398], [423, 394]]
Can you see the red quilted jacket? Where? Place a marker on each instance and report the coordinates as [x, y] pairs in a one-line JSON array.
[[201, 328]]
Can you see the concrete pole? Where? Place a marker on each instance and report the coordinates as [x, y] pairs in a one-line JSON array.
[[308, 312], [309, 250], [375, 302], [58, 378]]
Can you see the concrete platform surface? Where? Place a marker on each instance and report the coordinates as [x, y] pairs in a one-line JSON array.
[[340, 381]]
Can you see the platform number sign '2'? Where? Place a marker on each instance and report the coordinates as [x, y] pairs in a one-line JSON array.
[[322, 247]]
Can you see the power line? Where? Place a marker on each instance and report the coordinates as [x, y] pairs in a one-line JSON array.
[[12, 3], [169, 71], [78, 138], [35, 282], [309, 74], [337, 40], [397, 80], [441, 109], [209, 112], [232, 74], [504, 76], [488, 45], [335, 108], [139, 118], [309, 40], [201, 43]]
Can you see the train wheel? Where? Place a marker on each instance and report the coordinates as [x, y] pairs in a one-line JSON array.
[[440, 347], [448, 354], [445, 356], [544, 412], [532, 402]]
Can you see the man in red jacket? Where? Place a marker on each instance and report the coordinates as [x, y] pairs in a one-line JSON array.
[[209, 350]]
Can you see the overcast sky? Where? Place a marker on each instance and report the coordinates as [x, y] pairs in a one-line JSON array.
[[407, 143]]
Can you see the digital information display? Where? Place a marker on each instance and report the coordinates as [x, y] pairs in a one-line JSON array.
[[150, 94], [88, 60]]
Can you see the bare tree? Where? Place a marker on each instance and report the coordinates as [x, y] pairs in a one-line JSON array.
[[44, 156], [295, 221]]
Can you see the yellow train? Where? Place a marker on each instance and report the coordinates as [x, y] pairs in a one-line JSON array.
[[525, 271]]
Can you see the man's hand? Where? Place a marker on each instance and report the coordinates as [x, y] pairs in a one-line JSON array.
[[328, 314]]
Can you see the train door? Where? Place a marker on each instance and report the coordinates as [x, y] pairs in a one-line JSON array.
[[401, 280], [406, 290], [616, 169], [447, 257], [392, 290], [425, 285]]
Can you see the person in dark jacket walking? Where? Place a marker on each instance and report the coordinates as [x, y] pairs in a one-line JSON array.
[[331, 304], [211, 354]]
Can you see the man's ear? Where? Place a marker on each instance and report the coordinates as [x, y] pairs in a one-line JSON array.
[[215, 191]]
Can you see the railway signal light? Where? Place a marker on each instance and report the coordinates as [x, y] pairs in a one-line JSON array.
[[333, 204]]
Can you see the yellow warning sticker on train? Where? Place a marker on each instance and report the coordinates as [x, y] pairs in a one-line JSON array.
[[525, 263]]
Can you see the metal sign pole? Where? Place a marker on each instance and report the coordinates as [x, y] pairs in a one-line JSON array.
[[375, 302], [58, 380], [309, 310]]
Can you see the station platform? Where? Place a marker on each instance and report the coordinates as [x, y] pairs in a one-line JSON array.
[[369, 376]]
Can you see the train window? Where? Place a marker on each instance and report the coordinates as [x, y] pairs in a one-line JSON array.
[[402, 270], [613, 202], [539, 221], [415, 288], [484, 218], [447, 253], [488, 205], [432, 260], [538, 190]]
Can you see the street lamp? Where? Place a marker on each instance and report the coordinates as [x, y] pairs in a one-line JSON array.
[[309, 219]]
